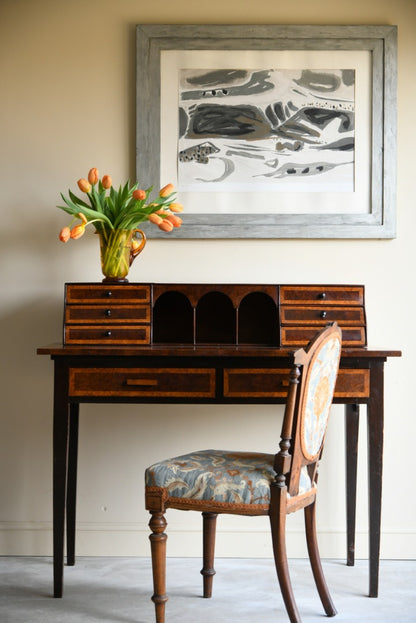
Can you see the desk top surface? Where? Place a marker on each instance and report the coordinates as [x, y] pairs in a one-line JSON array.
[[210, 350]]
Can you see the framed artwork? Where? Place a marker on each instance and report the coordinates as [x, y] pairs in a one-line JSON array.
[[270, 131]]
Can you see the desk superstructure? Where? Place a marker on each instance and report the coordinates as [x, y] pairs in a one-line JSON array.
[[218, 344], [263, 315]]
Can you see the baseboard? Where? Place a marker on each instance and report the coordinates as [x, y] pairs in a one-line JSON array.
[[106, 539]]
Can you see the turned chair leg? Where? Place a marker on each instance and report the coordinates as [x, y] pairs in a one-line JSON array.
[[278, 529], [315, 560], [209, 528], [158, 539]]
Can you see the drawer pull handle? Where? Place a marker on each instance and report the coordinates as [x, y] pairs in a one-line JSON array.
[[107, 313], [140, 382], [108, 334], [322, 296], [323, 314], [109, 293]]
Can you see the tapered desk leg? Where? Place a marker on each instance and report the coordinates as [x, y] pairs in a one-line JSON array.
[[352, 412], [60, 462], [71, 497], [375, 423]]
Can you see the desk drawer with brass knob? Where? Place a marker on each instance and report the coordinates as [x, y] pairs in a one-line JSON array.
[[304, 309], [146, 382], [274, 383], [322, 295], [102, 314], [107, 314], [107, 334], [320, 315], [98, 293]]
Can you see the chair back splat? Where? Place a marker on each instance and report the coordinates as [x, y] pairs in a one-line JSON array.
[[253, 483]]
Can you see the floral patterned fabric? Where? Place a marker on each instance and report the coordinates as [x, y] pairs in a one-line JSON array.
[[318, 398], [218, 475]]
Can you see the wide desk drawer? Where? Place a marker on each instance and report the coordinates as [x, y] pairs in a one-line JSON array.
[[146, 382], [107, 334], [274, 383], [87, 314]]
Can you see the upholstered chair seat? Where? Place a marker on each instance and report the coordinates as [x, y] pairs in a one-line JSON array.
[[219, 477]]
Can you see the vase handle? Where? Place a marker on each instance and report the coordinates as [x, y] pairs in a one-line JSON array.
[[135, 252]]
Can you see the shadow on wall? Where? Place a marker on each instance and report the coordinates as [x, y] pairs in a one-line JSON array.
[[35, 323], [33, 258], [26, 389]]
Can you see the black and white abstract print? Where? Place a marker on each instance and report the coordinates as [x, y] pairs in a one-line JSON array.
[[250, 129]]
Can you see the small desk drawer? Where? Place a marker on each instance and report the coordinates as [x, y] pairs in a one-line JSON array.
[[102, 294], [107, 334], [103, 314], [300, 336], [319, 316], [130, 382], [322, 295], [274, 383]]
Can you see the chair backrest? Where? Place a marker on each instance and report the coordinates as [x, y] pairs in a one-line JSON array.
[[311, 391]]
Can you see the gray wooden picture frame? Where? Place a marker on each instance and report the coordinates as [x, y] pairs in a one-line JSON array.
[[381, 41]]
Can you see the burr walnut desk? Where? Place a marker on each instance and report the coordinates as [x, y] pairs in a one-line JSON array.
[[203, 343]]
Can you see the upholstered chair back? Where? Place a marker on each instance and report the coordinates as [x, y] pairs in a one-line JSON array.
[[314, 398]]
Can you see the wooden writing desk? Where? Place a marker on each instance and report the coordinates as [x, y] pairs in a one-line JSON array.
[[201, 343]]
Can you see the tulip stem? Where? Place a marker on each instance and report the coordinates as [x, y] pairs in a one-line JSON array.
[[115, 252]]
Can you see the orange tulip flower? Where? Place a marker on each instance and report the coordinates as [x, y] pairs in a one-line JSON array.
[[84, 185], [175, 220], [155, 218], [165, 225], [93, 176], [106, 182], [176, 207], [166, 190], [139, 194], [64, 234], [77, 231]]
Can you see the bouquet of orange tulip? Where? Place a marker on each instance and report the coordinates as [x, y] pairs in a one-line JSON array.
[[116, 215], [124, 208]]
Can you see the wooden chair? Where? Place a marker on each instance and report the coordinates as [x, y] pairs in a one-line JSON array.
[[246, 483]]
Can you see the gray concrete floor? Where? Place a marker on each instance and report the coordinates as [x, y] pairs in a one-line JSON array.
[[118, 590]]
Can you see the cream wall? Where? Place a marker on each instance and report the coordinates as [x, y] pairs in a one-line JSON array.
[[67, 103]]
